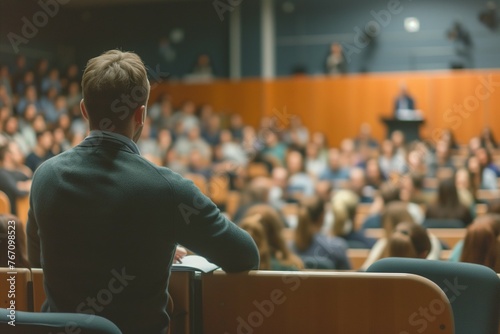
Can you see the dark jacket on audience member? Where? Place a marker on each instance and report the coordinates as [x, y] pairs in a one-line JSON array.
[[325, 253], [104, 224]]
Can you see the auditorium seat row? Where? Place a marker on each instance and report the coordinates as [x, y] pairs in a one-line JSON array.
[[393, 297]]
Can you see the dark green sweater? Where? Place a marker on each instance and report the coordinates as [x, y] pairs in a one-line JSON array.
[[104, 224]]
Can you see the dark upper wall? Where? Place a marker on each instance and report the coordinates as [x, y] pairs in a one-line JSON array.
[[87, 32], [303, 35]]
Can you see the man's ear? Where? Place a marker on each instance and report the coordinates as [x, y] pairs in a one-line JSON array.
[[83, 110], [140, 115]]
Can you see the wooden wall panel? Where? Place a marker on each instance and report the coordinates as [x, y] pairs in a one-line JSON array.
[[339, 105]]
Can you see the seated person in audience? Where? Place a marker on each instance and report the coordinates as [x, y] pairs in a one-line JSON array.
[[147, 144], [11, 225], [334, 171], [388, 192], [96, 205], [321, 141], [392, 192], [365, 138], [253, 226], [192, 141], [5, 98], [488, 139], [13, 181], [317, 250], [48, 106], [42, 151], [474, 144], [315, 164], [30, 97], [408, 240], [416, 162], [323, 189], [447, 204], [282, 258], [11, 132], [161, 113], [399, 142], [236, 127], [26, 128], [357, 184], [274, 150], [485, 160], [395, 213], [449, 138], [464, 184], [278, 195], [482, 242], [341, 222], [16, 165], [230, 150], [300, 184], [493, 209], [256, 192], [186, 118], [482, 178], [211, 133], [61, 144], [412, 189], [198, 164], [390, 162], [442, 159], [349, 156], [296, 135], [204, 114], [374, 175], [52, 80]]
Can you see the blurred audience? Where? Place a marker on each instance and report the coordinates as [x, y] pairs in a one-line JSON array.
[[335, 191], [317, 250], [448, 205]]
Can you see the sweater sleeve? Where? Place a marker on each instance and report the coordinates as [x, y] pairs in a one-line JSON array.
[[201, 227]]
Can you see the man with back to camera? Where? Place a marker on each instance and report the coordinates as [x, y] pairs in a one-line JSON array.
[[104, 222]]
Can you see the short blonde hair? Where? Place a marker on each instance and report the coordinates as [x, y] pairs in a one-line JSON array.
[[114, 84]]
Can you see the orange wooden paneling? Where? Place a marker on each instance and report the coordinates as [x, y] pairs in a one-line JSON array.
[[338, 105]]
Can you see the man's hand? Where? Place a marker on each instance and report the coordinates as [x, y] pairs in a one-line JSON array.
[[180, 252]]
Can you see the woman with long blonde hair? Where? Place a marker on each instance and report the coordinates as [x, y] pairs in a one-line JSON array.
[[344, 205]]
